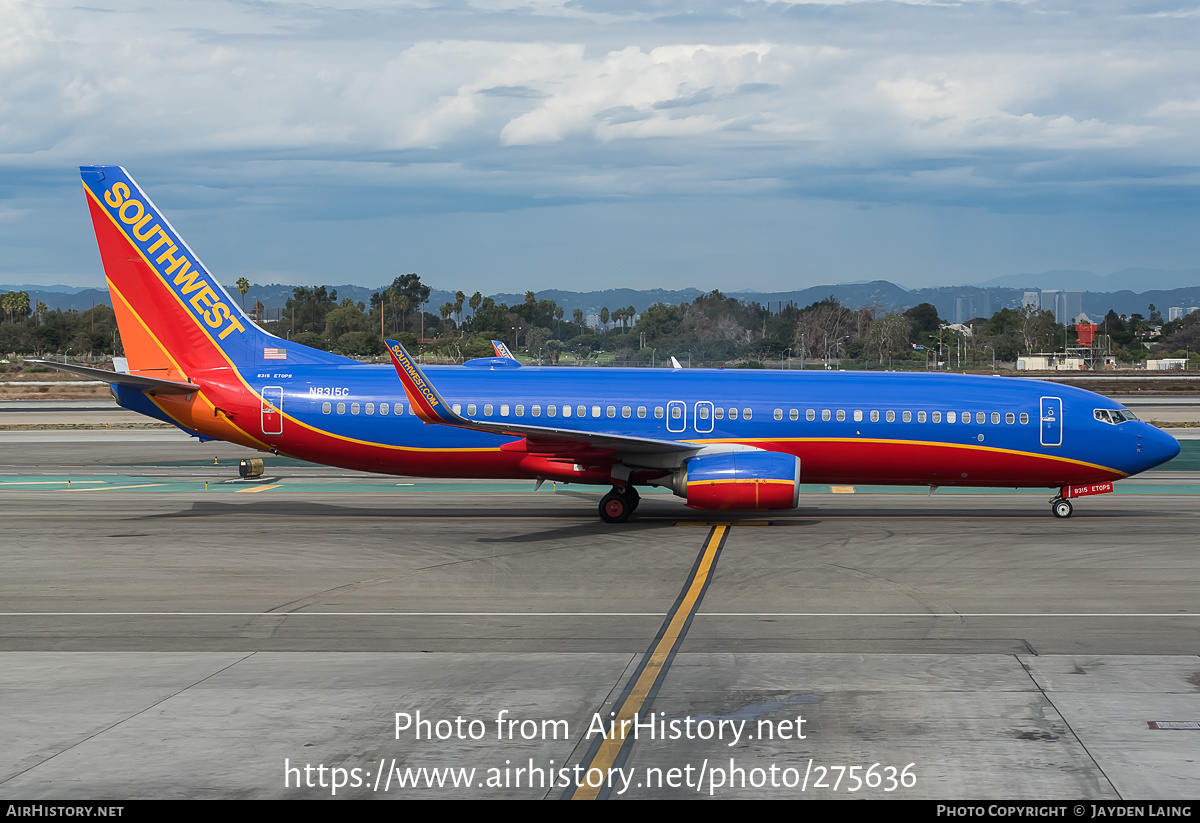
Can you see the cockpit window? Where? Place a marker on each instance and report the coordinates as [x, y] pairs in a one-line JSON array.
[[1113, 416]]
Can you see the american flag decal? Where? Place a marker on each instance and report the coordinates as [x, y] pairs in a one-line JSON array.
[[274, 354]]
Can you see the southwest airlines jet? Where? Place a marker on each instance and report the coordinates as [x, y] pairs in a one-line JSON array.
[[719, 439]]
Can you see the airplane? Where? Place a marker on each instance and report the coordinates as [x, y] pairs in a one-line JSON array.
[[721, 440]]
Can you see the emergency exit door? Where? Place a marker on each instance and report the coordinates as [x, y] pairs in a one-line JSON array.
[[272, 410]]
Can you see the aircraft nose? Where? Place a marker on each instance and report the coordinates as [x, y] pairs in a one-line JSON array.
[[1156, 447]]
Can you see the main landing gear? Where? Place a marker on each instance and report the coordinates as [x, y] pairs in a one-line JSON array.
[[1061, 507], [618, 504]]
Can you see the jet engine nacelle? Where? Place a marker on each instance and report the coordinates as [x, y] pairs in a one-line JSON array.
[[739, 480]]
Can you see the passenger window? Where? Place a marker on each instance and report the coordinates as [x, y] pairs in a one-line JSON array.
[[702, 412], [326, 408], [595, 411], [1010, 418], [504, 410], [951, 417], [370, 408], [520, 410], [551, 410], [810, 415], [487, 409], [626, 411], [966, 417], [906, 417], [658, 412], [920, 417], [719, 413], [980, 417], [383, 408], [995, 417], [733, 414], [535, 410], [354, 408], [841, 415], [747, 414], [641, 411], [793, 415], [471, 407], [891, 416], [675, 412], [937, 417], [611, 411], [825, 414], [566, 410], [341, 408], [779, 414], [858, 415], [874, 415], [581, 411], [399, 408], [1024, 419]]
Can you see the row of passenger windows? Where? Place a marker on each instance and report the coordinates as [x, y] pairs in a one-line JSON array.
[[702, 412]]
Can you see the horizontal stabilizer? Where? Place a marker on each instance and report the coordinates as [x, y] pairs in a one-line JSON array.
[[133, 381]]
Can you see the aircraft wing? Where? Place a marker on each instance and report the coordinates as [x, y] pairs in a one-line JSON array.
[[133, 381], [432, 408]]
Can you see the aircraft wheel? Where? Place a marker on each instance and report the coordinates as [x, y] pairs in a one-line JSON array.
[[1061, 508], [615, 508]]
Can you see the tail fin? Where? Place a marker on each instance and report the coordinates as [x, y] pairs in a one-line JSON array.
[[174, 317]]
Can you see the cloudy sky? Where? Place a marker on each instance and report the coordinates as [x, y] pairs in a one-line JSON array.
[[512, 145]]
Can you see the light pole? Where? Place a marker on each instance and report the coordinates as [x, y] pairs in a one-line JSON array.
[[787, 359]]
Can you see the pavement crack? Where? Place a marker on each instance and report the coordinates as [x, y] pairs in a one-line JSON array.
[[136, 714]]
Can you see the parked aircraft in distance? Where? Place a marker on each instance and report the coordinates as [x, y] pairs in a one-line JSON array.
[[736, 439]]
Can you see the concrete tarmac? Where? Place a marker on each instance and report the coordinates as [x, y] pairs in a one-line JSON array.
[[161, 639]]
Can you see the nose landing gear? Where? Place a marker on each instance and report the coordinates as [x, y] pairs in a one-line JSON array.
[[618, 504]]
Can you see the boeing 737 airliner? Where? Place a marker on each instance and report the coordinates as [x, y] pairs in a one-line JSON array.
[[719, 439]]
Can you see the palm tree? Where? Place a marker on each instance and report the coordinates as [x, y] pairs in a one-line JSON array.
[[403, 303], [243, 286]]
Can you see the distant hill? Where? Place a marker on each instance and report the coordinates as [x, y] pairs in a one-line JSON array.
[[981, 300], [1076, 280]]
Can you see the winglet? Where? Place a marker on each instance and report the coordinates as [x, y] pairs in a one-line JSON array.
[[502, 350], [675, 363], [423, 397]]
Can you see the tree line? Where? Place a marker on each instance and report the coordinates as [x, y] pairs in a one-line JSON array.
[[711, 330]]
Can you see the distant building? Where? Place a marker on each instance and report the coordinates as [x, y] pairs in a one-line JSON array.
[[962, 309], [1031, 299], [1050, 362], [1174, 313], [1166, 363], [1065, 305]]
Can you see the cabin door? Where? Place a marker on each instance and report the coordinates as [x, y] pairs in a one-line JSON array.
[[1052, 421]]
